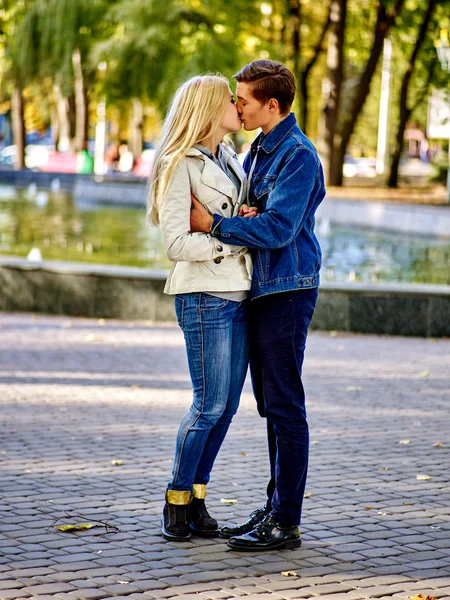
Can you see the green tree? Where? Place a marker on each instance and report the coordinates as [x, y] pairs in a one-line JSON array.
[[422, 70], [18, 22], [69, 29], [386, 12]]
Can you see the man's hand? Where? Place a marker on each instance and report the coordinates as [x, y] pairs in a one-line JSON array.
[[248, 211], [201, 220]]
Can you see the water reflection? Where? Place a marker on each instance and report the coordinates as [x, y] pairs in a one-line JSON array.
[[376, 256], [64, 230]]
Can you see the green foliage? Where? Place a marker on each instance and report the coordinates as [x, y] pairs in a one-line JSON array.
[[151, 46], [154, 46]]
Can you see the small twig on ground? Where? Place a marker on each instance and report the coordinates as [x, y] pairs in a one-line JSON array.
[[94, 523]]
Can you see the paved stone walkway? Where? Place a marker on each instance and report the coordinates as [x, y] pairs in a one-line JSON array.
[[77, 394]]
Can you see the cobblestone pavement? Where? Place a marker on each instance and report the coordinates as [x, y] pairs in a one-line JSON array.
[[76, 394]]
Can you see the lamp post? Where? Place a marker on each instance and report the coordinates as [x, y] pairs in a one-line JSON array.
[[443, 51]]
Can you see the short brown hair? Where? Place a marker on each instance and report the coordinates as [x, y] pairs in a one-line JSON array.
[[269, 79]]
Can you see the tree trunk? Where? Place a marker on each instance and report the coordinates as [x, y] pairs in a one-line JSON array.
[[385, 20], [295, 8], [136, 124], [304, 104], [335, 62], [62, 106], [307, 70], [81, 112], [18, 123], [54, 123], [405, 111], [72, 118]]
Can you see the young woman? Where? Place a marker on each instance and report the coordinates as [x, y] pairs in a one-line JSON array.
[[210, 281]]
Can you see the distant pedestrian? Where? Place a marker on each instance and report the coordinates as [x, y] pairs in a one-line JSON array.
[[126, 159], [112, 158]]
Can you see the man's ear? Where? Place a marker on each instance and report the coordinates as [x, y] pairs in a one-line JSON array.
[[273, 104]]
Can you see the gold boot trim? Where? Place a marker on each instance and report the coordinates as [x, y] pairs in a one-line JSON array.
[[199, 491], [179, 498]]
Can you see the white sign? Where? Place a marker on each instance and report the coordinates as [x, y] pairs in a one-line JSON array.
[[438, 125]]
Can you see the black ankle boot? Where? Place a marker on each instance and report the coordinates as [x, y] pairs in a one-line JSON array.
[[175, 517], [200, 521]]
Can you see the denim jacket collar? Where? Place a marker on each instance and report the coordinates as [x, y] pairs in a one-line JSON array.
[[276, 135]]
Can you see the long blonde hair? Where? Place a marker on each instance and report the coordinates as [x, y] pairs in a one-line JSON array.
[[196, 112]]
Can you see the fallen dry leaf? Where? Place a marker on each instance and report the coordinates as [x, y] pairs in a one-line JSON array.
[[101, 322], [244, 454], [307, 495], [289, 573], [423, 477], [405, 442], [422, 597], [438, 445], [75, 527], [121, 581], [314, 442], [368, 507], [93, 338], [354, 388], [424, 374], [334, 333], [383, 469], [117, 463], [228, 501]]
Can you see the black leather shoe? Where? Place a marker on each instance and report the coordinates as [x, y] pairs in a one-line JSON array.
[[200, 521], [255, 517], [268, 535]]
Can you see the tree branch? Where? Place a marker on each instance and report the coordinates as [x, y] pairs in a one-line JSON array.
[[318, 46]]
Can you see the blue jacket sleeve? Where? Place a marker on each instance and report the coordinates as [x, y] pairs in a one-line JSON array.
[[288, 206]]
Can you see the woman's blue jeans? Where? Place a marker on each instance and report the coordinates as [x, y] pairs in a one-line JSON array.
[[217, 345]]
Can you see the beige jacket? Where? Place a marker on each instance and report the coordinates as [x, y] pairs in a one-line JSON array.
[[202, 263]]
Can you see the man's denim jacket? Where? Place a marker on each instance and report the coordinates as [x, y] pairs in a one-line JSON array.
[[287, 186]]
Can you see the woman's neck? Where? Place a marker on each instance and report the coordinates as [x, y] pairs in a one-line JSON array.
[[212, 142]]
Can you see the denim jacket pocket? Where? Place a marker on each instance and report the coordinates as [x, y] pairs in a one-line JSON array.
[[263, 186]]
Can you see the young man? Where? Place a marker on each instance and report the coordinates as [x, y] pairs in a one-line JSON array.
[[286, 185]]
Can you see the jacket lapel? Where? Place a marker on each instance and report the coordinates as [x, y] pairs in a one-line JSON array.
[[215, 178]]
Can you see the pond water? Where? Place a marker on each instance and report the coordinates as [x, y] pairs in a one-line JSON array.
[[65, 230]]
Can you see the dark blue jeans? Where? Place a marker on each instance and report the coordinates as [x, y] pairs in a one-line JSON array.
[[217, 345], [279, 326]]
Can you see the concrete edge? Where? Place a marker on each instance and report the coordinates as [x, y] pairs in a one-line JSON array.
[[102, 270], [131, 293]]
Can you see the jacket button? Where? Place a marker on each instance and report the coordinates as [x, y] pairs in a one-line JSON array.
[[218, 260], [219, 248], [224, 205]]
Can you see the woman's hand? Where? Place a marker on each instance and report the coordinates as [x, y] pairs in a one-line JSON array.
[[248, 211]]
